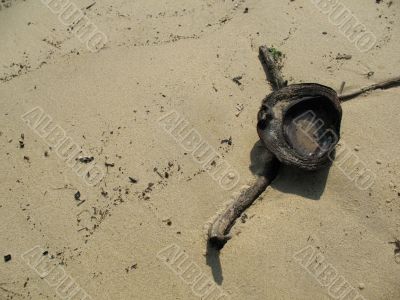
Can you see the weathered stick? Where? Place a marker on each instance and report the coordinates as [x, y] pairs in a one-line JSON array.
[[218, 233], [342, 87], [393, 82], [273, 74]]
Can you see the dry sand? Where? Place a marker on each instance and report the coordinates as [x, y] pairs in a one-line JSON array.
[[165, 55]]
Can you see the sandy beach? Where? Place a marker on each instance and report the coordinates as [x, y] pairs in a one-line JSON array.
[[127, 217]]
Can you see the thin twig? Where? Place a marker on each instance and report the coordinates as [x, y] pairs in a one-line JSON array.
[[90, 5], [393, 82], [342, 87]]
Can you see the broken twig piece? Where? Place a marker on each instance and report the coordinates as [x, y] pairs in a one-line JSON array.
[[219, 231], [380, 85]]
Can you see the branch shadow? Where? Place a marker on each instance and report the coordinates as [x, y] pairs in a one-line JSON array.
[[213, 261]]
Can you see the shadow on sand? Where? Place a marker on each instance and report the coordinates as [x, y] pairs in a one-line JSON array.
[[290, 180]]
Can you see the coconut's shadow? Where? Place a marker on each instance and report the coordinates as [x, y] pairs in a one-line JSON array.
[[291, 180]]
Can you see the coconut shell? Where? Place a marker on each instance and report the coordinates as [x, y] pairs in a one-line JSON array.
[[300, 124]]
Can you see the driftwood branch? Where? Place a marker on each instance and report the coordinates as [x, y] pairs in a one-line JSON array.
[[218, 233], [273, 73], [393, 82]]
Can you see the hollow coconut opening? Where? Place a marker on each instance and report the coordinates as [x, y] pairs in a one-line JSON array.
[[310, 126]]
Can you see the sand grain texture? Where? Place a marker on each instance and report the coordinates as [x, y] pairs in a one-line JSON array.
[[182, 55]]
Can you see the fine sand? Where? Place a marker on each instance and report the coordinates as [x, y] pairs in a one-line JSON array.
[[181, 55]]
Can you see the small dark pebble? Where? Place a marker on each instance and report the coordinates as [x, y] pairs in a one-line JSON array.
[[168, 222], [396, 243], [134, 266], [227, 141], [45, 253], [86, 160], [133, 180], [7, 258], [243, 218], [77, 196], [246, 10], [343, 56], [237, 80]]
